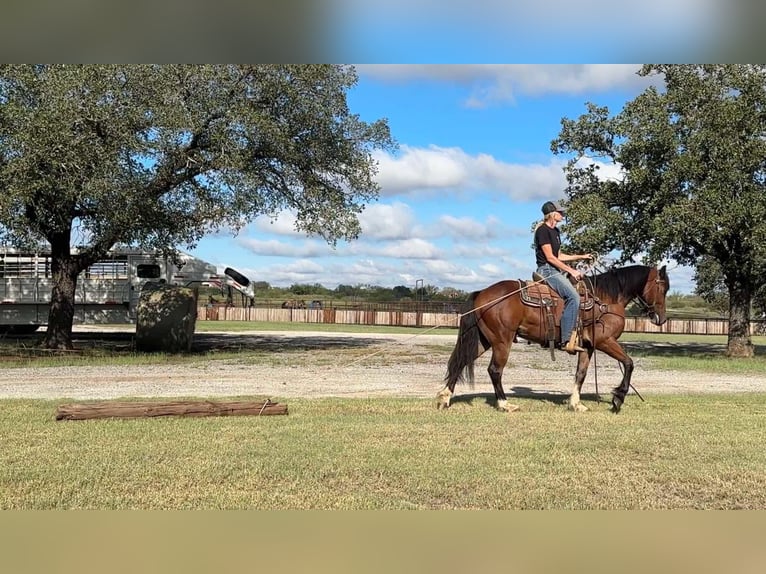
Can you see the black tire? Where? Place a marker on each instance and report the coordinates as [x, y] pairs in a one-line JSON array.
[[237, 276]]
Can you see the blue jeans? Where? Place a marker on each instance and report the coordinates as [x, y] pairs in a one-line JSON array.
[[560, 283]]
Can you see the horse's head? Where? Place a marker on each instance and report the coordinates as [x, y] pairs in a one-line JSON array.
[[653, 296]]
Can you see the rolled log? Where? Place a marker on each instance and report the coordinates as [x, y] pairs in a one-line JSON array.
[[183, 408]]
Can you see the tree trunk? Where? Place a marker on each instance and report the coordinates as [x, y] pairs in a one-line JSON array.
[[61, 316], [740, 343]]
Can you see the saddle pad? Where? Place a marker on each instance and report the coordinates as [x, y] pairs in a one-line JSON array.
[[536, 294]]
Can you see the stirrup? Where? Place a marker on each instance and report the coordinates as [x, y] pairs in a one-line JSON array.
[[571, 346], [574, 349]]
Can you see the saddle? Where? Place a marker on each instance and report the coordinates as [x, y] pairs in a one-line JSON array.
[[537, 293]]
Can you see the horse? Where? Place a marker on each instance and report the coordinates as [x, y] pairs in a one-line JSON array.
[[497, 314]]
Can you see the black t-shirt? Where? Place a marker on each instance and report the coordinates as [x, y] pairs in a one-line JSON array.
[[543, 235]]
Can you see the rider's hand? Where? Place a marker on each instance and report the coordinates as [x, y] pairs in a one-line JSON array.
[[576, 275]]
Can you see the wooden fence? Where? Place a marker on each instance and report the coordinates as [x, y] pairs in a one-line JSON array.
[[424, 319]]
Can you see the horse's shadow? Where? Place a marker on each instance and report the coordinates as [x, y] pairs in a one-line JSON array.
[[555, 398]]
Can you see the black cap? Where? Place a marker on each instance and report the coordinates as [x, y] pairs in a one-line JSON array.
[[550, 207]]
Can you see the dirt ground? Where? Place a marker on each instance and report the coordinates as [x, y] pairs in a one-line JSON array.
[[318, 364]]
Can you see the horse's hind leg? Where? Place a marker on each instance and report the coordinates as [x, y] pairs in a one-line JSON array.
[[583, 360], [463, 356], [500, 352]]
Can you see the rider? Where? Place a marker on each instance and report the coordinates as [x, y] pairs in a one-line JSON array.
[[552, 265]]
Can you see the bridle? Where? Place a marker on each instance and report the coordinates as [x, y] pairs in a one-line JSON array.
[[646, 308]]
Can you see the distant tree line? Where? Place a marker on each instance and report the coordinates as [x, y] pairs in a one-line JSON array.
[[358, 292]]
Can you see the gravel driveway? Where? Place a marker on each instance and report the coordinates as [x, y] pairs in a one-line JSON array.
[[319, 364]]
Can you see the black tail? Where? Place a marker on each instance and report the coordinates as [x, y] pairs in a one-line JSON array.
[[466, 349]]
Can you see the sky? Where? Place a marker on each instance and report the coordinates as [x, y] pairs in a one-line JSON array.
[[460, 195]]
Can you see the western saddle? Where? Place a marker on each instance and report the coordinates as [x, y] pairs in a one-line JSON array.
[[538, 294]]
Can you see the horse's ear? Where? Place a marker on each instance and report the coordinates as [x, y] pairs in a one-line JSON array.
[[663, 272]]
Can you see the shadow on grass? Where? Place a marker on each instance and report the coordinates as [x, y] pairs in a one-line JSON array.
[[516, 392], [208, 342], [664, 349], [123, 342]]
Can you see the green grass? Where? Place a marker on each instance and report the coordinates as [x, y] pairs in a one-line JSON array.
[[691, 451], [693, 352]]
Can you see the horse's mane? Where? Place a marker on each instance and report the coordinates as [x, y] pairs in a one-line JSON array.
[[621, 281]]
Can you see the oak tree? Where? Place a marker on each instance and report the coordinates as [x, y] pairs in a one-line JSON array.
[[692, 184], [158, 156]]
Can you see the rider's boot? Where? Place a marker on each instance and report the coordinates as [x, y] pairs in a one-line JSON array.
[[572, 347]]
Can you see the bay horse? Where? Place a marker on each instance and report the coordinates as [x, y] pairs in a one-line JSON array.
[[496, 314]]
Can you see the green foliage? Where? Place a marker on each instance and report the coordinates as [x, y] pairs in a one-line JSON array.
[[402, 292], [306, 289], [693, 179], [357, 294], [160, 155]]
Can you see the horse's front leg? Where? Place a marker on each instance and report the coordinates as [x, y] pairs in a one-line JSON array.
[[620, 392], [612, 348], [583, 360]]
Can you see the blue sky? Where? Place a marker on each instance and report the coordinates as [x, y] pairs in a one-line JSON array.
[[460, 195]]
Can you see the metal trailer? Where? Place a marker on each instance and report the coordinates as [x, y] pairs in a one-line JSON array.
[[107, 292]]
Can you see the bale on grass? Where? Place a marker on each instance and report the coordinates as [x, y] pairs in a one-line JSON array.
[[165, 318]]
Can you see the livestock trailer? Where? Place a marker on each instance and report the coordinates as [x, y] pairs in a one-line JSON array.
[[107, 292]]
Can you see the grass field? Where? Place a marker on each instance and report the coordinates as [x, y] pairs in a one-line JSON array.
[[690, 451], [696, 451]]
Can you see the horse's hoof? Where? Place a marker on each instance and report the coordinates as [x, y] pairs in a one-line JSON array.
[[503, 406], [578, 408], [441, 406]]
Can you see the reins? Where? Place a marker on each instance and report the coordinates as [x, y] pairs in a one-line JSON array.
[[593, 334]]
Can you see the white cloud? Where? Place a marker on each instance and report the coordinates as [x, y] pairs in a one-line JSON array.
[[451, 169], [273, 247], [282, 224], [606, 171], [408, 249], [469, 228], [418, 169], [492, 270], [299, 271], [381, 221], [477, 250]]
